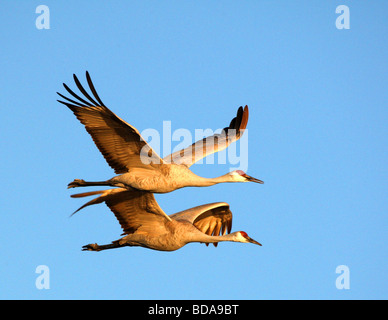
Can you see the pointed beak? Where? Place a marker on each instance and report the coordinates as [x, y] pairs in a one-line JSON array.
[[254, 241], [252, 179]]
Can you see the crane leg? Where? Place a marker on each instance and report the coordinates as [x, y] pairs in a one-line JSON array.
[[83, 183], [96, 247]]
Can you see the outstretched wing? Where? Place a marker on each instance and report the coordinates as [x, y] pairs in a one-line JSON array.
[[135, 210], [120, 143], [213, 218], [215, 143]]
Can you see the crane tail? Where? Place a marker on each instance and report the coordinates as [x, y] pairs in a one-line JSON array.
[[86, 194]]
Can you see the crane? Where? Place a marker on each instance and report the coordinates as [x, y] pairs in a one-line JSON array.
[[146, 225], [136, 164]]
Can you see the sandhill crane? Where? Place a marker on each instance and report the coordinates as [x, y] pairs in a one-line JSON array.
[[122, 146], [145, 224]]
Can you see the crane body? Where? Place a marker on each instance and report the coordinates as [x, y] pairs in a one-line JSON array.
[[146, 225], [123, 148]]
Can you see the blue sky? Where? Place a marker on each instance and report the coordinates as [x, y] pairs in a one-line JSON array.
[[318, 103]]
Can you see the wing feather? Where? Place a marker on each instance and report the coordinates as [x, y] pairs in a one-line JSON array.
[[212, 144], [135, 210], [211, 219], [120, 143]]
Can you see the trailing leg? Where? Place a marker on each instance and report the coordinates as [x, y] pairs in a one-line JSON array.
[[83, 183], [96, 247]]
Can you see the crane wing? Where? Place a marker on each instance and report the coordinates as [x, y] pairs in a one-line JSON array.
[[212, 219], [135, 210], [217, 142], [120, 143]]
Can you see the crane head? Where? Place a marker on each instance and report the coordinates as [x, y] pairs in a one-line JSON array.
[[243, 237], [241, 176]]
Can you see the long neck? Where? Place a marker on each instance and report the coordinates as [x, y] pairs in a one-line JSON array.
[[204, 238], [205, 182], [184, 177]]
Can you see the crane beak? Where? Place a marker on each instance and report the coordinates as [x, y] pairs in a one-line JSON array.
[[254, 241], [252, 179]]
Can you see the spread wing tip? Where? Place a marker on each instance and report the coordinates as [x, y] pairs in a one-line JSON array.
[[91, 101]]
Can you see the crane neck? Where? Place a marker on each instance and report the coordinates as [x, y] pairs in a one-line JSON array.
[[205, 182], [204, 238]]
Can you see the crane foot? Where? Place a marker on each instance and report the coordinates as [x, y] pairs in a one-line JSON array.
[[91, 247], [76, 183]]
